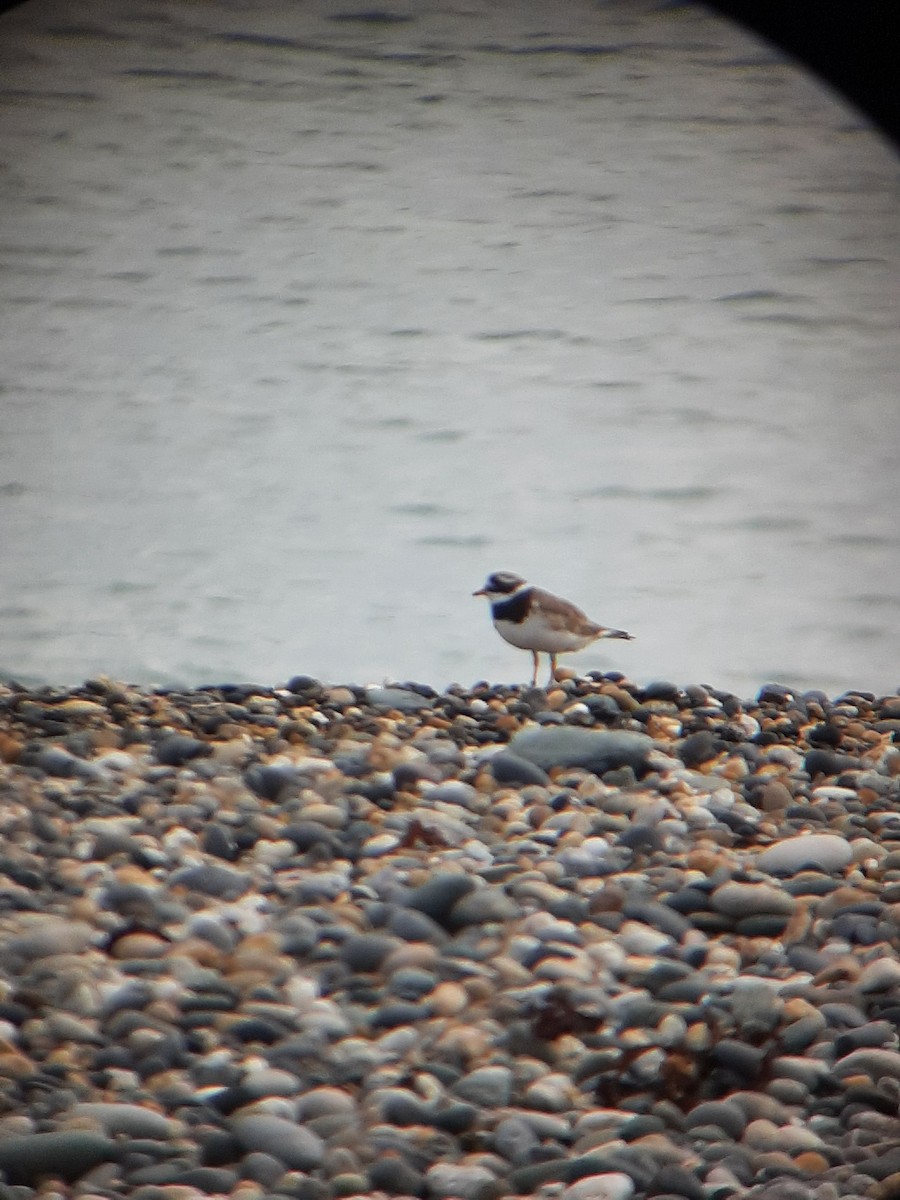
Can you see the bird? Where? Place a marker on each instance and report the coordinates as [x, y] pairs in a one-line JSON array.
[[532, 619]]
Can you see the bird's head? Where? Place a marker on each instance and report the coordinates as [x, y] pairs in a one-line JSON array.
[[501, 583]]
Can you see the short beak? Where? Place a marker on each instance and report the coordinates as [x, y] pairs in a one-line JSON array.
[[480, 592]]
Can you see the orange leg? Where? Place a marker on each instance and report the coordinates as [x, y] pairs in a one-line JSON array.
[[552, 669]]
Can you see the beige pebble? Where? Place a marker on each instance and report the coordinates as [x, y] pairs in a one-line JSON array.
[[411, 954], [577, 969], [510, 972], [555, 1092], [139, 945], [468, 1041], [733, 768], [14, 1064], [812, 1163], [448, 999], [698, 1037], [246, 1190]]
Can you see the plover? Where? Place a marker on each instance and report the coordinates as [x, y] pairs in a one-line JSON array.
[[532, 619]]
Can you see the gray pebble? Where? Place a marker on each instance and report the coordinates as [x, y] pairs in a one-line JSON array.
[[842, 1015], [131, 1119], [674, 1180], [212, 879], [220, 842], [397, 1013], [272, 782], [413, 926], [461, 1182], [755, 1003], [516, 771], [68, 1154], [878, 1034], [482, 905], [178, 748], [819, 851], [881, 975], [45, 936], [213, 1181], [488, 1087], [411, 983], [660, 916], [724, 1114], [456, 792], [872, 1062], [743, 1060], [264, 1169], [514, 1139], [812, 1073], [528, 1179], [402, 699], [802, 1033], [297, 1147], [747, 899], [367, 951], [594, 857], [396, 1177], [437, 897], [52, 760], [698, 748], [611, 1185], [595, 750]]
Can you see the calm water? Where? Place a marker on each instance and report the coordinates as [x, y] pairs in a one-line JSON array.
[[309, 322]]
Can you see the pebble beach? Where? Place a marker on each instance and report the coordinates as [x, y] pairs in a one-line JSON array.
[[600, 941]]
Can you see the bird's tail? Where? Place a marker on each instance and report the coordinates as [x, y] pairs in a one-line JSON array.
[[617, 633]]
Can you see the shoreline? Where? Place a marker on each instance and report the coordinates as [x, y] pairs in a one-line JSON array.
[[602, 942]]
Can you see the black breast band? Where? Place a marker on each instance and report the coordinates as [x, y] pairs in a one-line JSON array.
[[515, 609]]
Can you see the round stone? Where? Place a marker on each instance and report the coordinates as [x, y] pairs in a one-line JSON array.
[[297, 1147], [67, 1154], [817, 851], [611, 1185], [461, 1182], [738, 900]]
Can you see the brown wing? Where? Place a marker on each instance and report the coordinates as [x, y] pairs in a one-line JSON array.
[[562, 614]]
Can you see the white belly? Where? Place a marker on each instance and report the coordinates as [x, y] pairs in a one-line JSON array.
[[534, 634]]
